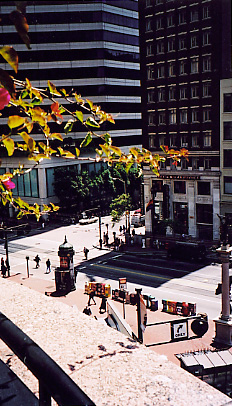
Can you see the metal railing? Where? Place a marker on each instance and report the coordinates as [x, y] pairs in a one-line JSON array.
[[53, 381]]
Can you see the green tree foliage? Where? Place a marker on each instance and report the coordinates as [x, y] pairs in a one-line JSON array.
[[119, 205]]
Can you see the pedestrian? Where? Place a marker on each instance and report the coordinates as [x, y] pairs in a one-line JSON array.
[[86, 251], [103, 305], [91, 296], [3, 268], [37, 260], [48, 263]]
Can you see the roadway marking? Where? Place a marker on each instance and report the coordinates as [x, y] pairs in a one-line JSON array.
[[132, 272]]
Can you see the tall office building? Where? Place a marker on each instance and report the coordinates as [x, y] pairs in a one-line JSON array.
[[91, 46], [185, 53]]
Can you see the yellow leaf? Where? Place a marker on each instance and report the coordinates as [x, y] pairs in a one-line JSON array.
[[15, 121], [116, 150], [53, 89], [57, 136], [24, 136], [9, 144], [11, 56]]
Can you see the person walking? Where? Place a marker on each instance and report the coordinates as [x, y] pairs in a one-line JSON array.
[[86, 251], [37, 260], [91, 296], [3, 268], [48, 263]]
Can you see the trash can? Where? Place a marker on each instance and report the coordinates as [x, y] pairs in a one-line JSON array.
[[154, 305], [63, 281]]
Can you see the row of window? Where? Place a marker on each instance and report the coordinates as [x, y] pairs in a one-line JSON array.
[[183, 141], [182, 93], [172, 44], [171, 20], [25, 185], [203, 188], [182, 68], [194, 116]]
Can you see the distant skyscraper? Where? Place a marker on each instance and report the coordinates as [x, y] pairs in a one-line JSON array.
[[185, 52], [90, 46]]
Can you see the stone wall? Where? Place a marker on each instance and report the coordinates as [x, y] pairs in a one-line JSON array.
[[109, 367]]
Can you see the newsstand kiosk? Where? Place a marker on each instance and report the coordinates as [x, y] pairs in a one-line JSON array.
[[64, 275]]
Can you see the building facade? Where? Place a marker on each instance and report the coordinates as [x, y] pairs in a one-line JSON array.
[[92, 47], [185, 53]]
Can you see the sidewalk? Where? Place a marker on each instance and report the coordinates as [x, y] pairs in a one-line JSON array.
[[156, 337]]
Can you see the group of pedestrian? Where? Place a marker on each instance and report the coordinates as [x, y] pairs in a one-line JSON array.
[[48, 263], [102, 307], [4, 267]]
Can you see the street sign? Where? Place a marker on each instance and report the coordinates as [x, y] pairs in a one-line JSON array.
[[179, 330], [122, 284]]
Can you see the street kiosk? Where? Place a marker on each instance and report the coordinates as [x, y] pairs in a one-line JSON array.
[[64, 275]]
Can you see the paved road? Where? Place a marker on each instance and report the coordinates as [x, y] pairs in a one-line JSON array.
[[174, 280]]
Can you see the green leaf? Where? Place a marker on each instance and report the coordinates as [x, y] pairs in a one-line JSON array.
[[52, 89], [79, 115], [91, 122], [87, 140], [107, 138], [68, 126]]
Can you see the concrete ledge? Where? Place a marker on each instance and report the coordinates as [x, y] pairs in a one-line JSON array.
[[110, 368]]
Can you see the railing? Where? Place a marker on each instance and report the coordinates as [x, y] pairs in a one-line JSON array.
[[53, 381]]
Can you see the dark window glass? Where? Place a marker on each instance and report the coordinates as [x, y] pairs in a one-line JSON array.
[[204, 213], [203, 188], [228, 102], [180, 186], [228, 130], [228, 158], [228, 184]]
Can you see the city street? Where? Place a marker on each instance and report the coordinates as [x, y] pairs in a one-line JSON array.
[[157, 276]]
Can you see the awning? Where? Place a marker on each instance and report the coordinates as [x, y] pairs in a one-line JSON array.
[[206, 361]]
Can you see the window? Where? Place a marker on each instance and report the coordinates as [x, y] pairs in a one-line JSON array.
[[160, 47], [27, 184], [171, 44], [182, 17], [228, 102], [228, 158], [194, 15], [151, 141], [171, 69], [173, 143], [149, 49], [170, 20], [182, 43], [180, 186], [207, 163], [194, 41], [161, 117], [172, 93], [206, 12], [195, 141], [184, 141], [148, 23], [183, 67], [159, 23], [159, 1], [207, 115], [151, 119], [183, 92], [227, 130], [150, 96], [160, 71], [195, 163], [172, 116], [183, 116], [195, 115], [148, 3], [161, 94], [206, 64], [195, 65], [207, 140], [184, 164], [228, 185], [206, 38], [206, 89], [150, 72], [203, 188], [194, 91]]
